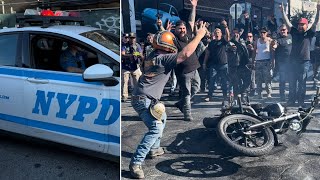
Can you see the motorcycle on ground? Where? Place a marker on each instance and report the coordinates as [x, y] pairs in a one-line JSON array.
[[252, 130]]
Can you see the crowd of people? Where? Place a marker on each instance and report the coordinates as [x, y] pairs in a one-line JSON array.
[[241, 60]]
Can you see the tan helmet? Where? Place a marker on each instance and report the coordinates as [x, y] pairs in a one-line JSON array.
[[157, 110], [164, 40]]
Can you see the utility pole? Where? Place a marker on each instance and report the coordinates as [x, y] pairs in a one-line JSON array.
[[235, 12], [289, 7], [3, 11]]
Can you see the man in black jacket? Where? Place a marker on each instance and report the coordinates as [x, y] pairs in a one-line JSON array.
[[238, 59], [187, 74]]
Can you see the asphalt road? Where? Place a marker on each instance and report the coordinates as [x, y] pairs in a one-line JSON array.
[[25, 159], [195, 152]]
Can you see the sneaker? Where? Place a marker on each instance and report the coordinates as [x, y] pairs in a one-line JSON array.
[[269, 95], [156, 152], [136, 171], [124, 100], [208, 99]]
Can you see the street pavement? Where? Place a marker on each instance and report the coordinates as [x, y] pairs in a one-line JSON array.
[[193, 151], [27, 159]]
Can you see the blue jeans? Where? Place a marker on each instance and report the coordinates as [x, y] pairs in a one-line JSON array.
[[216, 71], [152, 137], [298, 74], [189, 85]]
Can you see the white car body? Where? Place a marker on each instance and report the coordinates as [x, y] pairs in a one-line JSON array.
[[61, 106]]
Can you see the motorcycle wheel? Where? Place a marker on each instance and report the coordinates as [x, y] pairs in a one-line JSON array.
[[256, 142]]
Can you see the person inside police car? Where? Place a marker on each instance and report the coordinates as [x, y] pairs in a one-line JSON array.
[[146, 95], [73, 59]]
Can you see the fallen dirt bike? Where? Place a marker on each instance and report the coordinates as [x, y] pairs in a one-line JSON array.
[[252, 130]]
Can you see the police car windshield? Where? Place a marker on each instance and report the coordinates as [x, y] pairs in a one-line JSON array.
[[107, 40]]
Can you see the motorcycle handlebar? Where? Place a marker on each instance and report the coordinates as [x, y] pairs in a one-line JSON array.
[[274, 120]]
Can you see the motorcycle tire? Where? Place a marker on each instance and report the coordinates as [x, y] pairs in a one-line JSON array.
[[230, 130]]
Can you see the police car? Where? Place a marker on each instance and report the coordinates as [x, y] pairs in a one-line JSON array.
[[38, 98]]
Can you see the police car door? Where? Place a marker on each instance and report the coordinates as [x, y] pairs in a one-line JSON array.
[[12, 84], [62, 107]]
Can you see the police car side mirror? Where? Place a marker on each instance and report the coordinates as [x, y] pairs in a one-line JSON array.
[[97, 72]]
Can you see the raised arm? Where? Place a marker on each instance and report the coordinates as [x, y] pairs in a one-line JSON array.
[[192, 16], [191, 47], [246, 26], [227, 32], [160, 25], [285, 18], [316, 20]]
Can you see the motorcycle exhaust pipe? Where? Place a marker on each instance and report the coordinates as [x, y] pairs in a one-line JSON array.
[[273, 121]]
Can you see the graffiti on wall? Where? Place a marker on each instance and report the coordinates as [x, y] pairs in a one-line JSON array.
[[107, 19], [110, 23]]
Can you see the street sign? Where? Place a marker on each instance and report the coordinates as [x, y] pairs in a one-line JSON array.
[[233, 9]]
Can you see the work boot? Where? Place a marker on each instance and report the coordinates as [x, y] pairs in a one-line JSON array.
[[187, 112], [136, 171], [188, 117], [156, 152]]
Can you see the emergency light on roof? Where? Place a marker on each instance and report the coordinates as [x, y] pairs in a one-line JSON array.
[[48, 12], [45, 18]]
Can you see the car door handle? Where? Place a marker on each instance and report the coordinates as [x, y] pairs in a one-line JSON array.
[[38, 81]]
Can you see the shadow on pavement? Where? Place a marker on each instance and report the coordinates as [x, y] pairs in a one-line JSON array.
[[126, 154], [199, 167], [194, 145], [126, 174], [198, 141]]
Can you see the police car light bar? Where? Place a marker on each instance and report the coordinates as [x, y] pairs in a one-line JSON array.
[[45, 18]]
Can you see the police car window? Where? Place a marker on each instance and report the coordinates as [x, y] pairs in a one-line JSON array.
[[8, 51], [45, 52], [108, 61], [107, 40]]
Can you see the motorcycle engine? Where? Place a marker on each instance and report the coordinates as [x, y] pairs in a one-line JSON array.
[[274, 110]]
